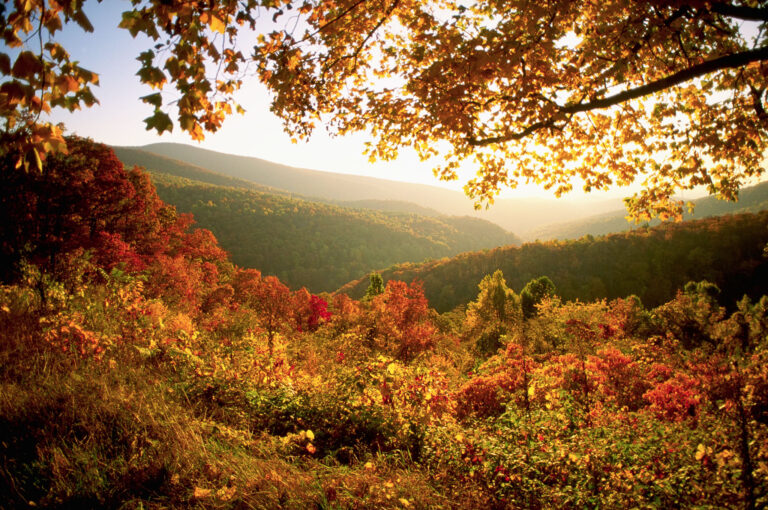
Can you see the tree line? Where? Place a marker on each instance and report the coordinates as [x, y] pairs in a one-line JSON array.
[[651, 263]]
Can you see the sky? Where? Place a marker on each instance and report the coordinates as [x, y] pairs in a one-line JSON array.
[[118, 119]]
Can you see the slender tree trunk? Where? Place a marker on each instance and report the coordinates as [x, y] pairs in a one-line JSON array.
[[747, 467], [526, 382]]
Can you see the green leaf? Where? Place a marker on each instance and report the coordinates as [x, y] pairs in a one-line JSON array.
[[155, 99], [146, 57], [187, 122], [152, 76], [129, 22], [159, 121]]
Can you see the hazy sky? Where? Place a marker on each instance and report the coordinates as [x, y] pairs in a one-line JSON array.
[[111, 52]]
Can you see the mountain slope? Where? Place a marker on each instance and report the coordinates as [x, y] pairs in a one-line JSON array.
[[515, 215], [649, 262], [751, 199], [317, 245], [154, 162]]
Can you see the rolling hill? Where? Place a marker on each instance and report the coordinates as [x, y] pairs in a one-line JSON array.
[[751, 199], [515, 215], [168, 166], [318, 245], [651, 263]]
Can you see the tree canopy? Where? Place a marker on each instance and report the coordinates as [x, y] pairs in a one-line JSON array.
[[558, 93]]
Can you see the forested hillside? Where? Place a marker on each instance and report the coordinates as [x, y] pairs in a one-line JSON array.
[[649, 262], [391, 206], [751, 199], [318, 245], [165, 165]]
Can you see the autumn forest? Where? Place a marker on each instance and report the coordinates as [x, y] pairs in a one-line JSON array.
[[186, 329]]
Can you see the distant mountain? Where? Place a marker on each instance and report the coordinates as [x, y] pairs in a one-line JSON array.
[[648, 262], [318, 245], [751, 199], [162, 164], [515, 215]]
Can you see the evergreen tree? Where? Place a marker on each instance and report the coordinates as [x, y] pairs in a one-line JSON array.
[[375, 288], [533, 293], [495, 311]]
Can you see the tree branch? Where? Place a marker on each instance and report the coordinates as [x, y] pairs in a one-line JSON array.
[[331, 21], [727, 62], [370, 34], [717, 64], [740, 11], [513, 136]]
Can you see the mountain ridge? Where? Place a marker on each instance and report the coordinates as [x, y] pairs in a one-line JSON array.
[[515, 215], [752, 199]]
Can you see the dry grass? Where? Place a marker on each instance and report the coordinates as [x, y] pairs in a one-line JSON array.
[[90, 434]]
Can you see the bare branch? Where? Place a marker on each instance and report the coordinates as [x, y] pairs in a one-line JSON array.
[[513, 136], [356, 53]]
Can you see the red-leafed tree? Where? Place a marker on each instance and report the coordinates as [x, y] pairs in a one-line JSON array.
[[309, 310], [401, 319], [268, 298], [86, 202], [83, 200]]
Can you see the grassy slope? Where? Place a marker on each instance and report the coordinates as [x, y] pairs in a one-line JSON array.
[[130, 433]]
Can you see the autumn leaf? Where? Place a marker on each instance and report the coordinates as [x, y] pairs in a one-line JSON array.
[[155, 99], [217, 25], [26, 65], [159, 121], [701, 451], [201, 493]]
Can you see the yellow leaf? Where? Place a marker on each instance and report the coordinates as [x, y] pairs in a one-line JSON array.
[[459, 437], [201, 493], [311, 435], [369, 465], [404, 502], [392, 368], [700, 451], [217, 25]]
